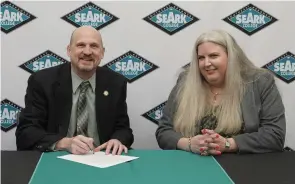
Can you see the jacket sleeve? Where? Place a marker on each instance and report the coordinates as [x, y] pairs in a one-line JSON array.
[[270, 136], [166, 136], [31, 131]]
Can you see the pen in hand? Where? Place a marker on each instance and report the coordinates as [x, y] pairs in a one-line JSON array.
[[84, 133], [91, 149]]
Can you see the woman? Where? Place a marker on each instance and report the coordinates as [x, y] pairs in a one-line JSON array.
[[223, 103]]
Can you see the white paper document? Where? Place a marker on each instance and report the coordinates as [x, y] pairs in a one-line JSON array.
[[98, 159]]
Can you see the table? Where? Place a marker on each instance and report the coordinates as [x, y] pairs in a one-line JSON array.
[[271, 168]]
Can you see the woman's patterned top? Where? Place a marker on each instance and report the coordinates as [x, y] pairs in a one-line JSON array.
[[210, 122]]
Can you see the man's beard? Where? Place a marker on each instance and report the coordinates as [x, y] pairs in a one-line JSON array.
[[86, 68]]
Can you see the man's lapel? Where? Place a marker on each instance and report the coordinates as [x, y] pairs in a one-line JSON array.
[[101, 102], [63, 98]]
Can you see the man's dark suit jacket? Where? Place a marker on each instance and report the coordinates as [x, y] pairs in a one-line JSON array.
[[48, 103]]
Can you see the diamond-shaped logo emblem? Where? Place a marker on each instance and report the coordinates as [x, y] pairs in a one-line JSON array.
[[250, 19], [283, 67], [44, 60], [13, 17], [132, 66], [8, 114], [171, 19], [155, 114], [90, 15]]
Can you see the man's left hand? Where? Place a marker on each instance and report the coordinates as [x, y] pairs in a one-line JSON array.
[[113, 145]]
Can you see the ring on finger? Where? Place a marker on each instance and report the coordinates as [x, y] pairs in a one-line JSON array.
[[205, 152]]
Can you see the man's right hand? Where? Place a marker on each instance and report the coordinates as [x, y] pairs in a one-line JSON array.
[[78, 145]]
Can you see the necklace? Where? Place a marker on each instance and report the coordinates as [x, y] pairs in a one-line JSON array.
[[215, 96]]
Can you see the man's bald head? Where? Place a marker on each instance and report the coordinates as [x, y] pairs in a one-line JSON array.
[[85, 50], [87, 29]]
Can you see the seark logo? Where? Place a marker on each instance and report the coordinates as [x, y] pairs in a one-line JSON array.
[[131, 66], [155, 114], [44, 60], [8, 114], [250, 19], [13, 17], [283, 67], [90, 15], [171, 19]]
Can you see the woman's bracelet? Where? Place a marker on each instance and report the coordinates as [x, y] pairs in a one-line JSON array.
[[189, 144]]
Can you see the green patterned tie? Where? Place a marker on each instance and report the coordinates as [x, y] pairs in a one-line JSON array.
[[82, 113]]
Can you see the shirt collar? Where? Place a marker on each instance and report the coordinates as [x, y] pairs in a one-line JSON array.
[[76, 81]]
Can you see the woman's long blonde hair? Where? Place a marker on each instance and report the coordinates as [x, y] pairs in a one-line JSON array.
[[193, 93]]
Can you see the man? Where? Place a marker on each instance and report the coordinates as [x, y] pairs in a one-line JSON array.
[[76, 106]]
